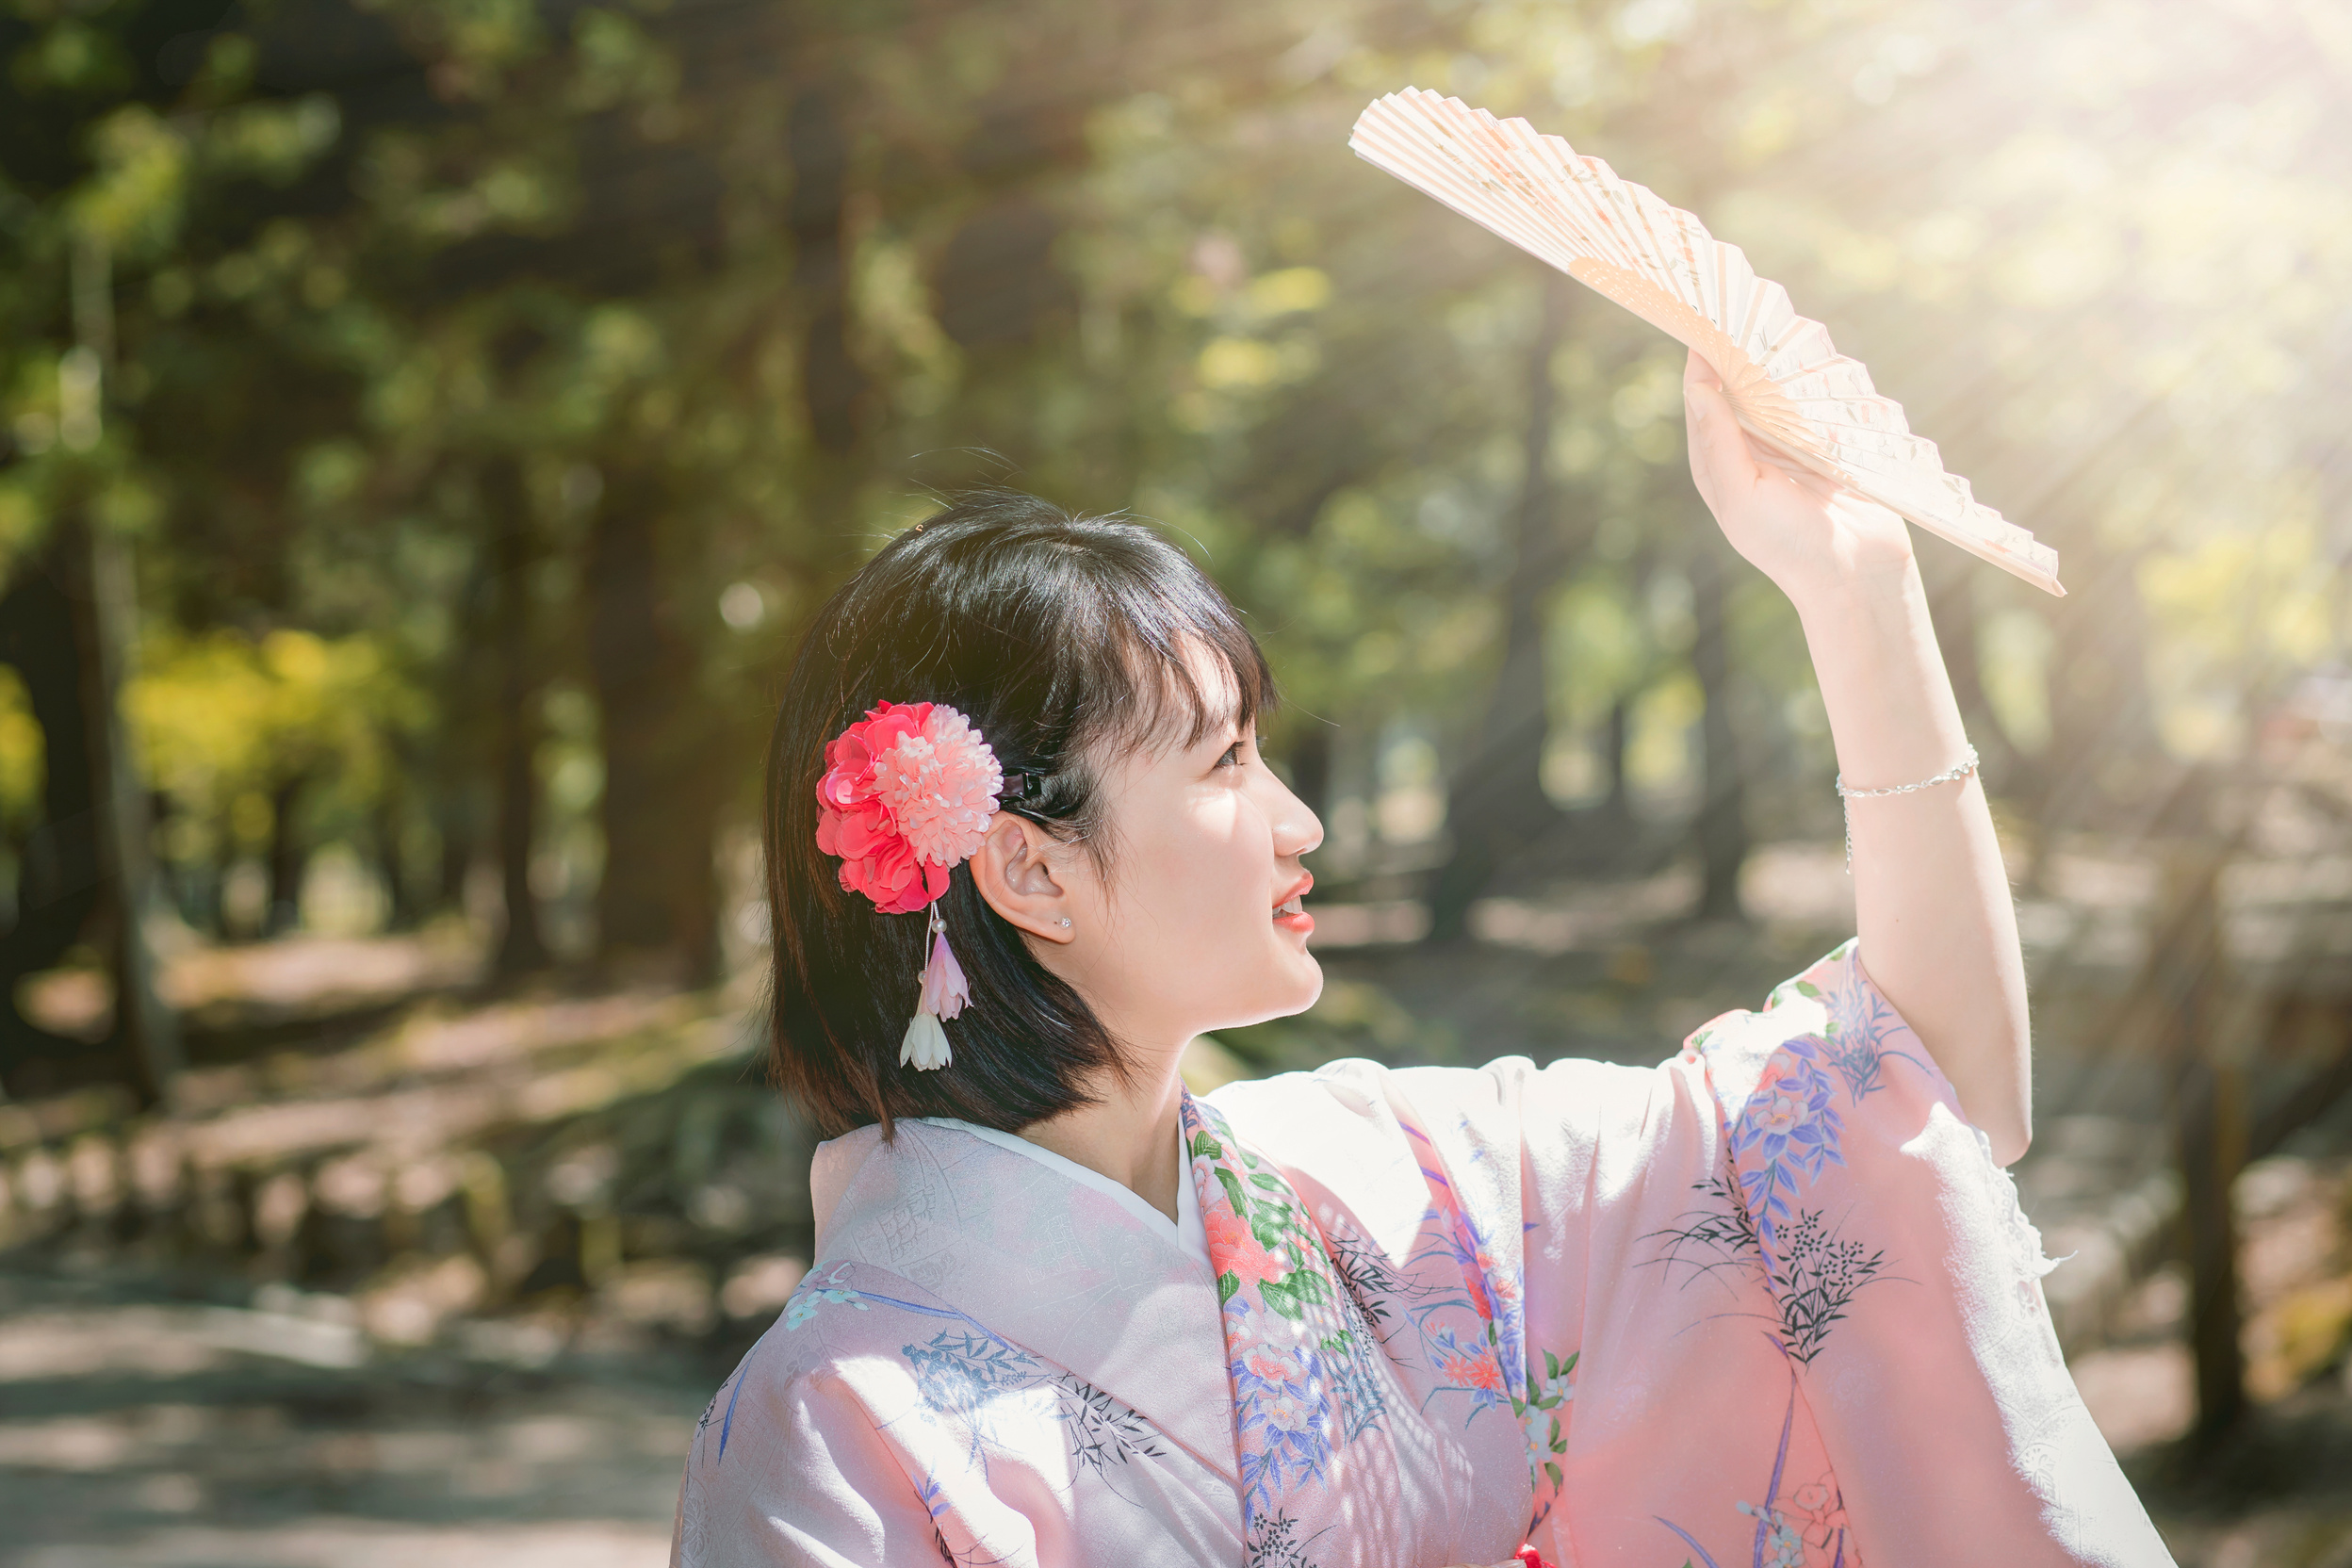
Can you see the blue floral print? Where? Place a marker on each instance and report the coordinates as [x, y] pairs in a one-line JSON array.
[[816, 1291]]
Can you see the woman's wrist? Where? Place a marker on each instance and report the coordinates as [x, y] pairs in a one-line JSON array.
[[1878, 583], [1882, 677], [1860, 613]]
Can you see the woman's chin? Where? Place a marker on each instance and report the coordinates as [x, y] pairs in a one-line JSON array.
[[1306, 975], [1301, 989]]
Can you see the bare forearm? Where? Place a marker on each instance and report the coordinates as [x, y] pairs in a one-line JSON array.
[[1932, 902], [1939, 934]]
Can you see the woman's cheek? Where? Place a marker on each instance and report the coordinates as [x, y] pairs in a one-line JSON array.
[[1203, 900]]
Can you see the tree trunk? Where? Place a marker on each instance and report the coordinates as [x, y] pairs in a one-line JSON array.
[[2208, 1103], [66, 629], [1722, 827], [207, 903], [999, 288], [1495, 801], [522, 948], [178, 882], [453, 818], [1616, 735], [657, 905], [2212, 1133], [387, 824], [57, 884], [832, 385], [287, 859], [146, 1031], [202, 881]]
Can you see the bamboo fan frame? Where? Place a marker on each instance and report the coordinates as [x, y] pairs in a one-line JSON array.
[[1787, 383]]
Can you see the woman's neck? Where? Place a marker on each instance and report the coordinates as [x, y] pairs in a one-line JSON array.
[[1128, 1134]]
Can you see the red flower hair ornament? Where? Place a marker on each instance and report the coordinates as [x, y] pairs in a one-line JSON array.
[[907, 795]]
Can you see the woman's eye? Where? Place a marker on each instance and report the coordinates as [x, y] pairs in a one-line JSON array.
[[1231, 757]]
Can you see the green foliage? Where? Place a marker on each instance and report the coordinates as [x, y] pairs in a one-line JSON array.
[[224, 724], [596, 250], [23, 758]]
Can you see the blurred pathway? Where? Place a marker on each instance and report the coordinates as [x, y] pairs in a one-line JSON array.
[[141, 1431]]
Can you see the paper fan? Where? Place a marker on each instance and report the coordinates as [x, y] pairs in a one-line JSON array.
[[1790, 386]]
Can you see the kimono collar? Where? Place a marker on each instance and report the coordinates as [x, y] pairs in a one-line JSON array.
[[838, 1160], [1048, 1263], [1189, 1234]]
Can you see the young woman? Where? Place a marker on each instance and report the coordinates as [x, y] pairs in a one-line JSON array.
[[1771, 1301]]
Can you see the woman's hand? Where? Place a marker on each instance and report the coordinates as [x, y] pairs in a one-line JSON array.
[[1931, 898], [1806, 533]]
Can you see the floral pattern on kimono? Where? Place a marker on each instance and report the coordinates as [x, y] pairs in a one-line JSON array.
[[1767, 1302], [1297, 1345]]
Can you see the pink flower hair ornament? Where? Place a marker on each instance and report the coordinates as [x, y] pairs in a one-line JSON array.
[[907, 795]]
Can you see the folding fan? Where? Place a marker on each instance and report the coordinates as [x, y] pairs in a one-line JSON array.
[[1788, 385]]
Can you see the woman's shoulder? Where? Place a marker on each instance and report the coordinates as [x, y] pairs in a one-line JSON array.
[[1348, 1101], [794, 1460], [836, 1318], [830, 1363], [1358, 1096]]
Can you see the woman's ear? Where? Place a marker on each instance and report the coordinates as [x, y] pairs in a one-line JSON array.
[[1010, 870]]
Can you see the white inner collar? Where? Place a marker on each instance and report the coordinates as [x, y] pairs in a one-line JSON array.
[[1188, 1233]]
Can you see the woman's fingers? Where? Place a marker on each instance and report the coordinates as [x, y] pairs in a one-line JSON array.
[[1721, 461], [1804, 478]]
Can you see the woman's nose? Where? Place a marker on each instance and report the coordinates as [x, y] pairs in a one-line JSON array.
[[1297, 829]]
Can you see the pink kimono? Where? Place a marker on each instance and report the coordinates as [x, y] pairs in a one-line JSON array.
[[1770, 1302]]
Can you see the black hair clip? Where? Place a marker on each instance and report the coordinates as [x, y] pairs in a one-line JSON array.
[[1022, 789]]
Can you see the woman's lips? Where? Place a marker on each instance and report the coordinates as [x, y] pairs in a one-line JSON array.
[[1291, 913]]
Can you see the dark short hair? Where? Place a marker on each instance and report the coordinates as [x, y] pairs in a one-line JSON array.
[[1065, 640]]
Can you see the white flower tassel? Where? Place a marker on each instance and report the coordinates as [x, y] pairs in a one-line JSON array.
[[925, 1046], [944, 993]]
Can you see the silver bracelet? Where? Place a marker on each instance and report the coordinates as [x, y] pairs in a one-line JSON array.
[[1953, 775]]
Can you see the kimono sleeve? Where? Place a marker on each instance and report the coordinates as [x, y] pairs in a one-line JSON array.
[[787, 1469], [1778, 1291]]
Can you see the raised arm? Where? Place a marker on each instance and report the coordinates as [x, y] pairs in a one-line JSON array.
[[1932, 903]]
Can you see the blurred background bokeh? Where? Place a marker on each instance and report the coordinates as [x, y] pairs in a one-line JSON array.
[[425, 426]]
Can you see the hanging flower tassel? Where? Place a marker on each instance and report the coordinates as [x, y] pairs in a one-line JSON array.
[[944, 993], [925, 1046], [944, 989], [907, 795]]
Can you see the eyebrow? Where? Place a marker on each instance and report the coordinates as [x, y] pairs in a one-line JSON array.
[[1220, 730], [1217, 705]]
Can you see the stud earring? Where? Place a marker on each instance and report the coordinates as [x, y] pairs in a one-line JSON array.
[[1063, 923]]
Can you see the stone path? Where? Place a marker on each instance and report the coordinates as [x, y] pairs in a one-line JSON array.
[[141, 1428], [151, 1432]]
